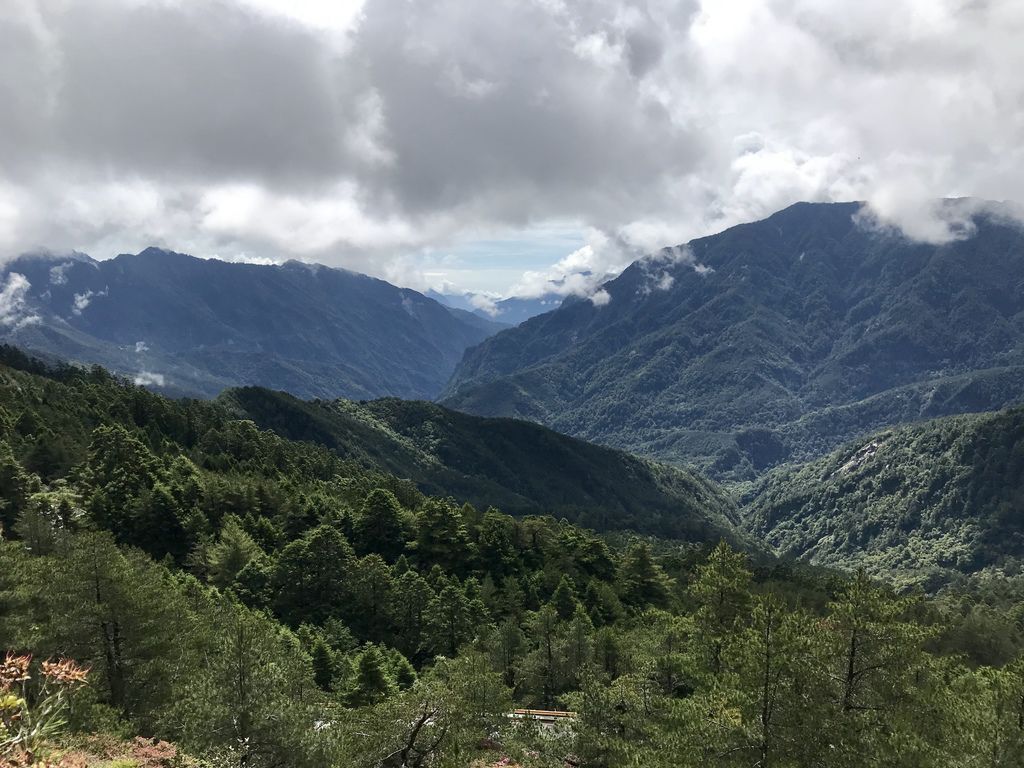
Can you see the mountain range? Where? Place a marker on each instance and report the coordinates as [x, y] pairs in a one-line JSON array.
[[768, 343], [189, 326], [511, 310], [810, 360]]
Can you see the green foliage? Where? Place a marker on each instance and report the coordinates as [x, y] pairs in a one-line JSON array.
[[256, 634], [311, 580], [520, 467], [380, 526], [642, 581], [231, 554], [923, 503]]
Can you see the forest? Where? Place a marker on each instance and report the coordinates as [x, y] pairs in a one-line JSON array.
[[263, 602]]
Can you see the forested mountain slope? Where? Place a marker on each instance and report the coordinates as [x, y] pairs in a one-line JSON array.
[[916, 503], [263, 602], [521, 467], [192, 326], [769, 342]]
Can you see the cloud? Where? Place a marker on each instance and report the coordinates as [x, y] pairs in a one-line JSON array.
[[581, 272], [362, 134], [149, 379], [140, 347], [14, 313], [58, 274], [485, 302], [82, 300], [659, 268], [601, 298]]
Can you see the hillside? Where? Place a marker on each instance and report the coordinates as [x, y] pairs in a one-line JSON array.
[[191, 326], [216, 590], [918, 502], [521, 467], [769, 342]]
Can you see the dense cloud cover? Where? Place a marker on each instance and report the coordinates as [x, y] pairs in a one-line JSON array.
[[361, 135]]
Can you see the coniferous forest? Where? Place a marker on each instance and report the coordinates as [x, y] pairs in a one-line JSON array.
[[255, 601]]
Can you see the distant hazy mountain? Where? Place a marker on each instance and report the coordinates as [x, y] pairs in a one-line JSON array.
[[917, 502], [768, 342], [510, 311], [193, 326], [522, 468]]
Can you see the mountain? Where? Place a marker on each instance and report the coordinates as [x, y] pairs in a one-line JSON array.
[[518, 309], [921, 501], [193, 326], [511, 311], [521, 467], [769, 342]]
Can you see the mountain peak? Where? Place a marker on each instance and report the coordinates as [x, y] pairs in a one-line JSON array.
[[770, 341], [155, 252]]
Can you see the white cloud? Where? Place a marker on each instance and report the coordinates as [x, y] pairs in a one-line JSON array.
[[601, 298], [364, 133], [140, 347], [149, 379], [579, 273], [82, 300], [14, 312], [485, 302], [333, 15], [659, 268], [58, 274]]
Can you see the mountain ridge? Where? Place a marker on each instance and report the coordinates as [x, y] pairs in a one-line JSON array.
[[712, 352], [191, 326], [522, 467]]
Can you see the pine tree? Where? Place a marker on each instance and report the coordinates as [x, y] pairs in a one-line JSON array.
[[441, 537], [323, 666], [564, 599], [721, 590], [380, 526], [449, 620], [373, 681], [311, 577], [232, 552], [372, 586], [642, 582]]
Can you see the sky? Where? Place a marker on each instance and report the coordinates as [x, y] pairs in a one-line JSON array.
[[511, 147]]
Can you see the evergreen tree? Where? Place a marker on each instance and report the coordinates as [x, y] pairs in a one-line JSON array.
[[323, 666], [564, 599], [411, 600], [642, 582], [311, 577], [722, 591], [508, 647], [373, 681], [372, 588], [380, 526], [232, 552], [449, 620], [441, 537], [16, 486], [545, 662]]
